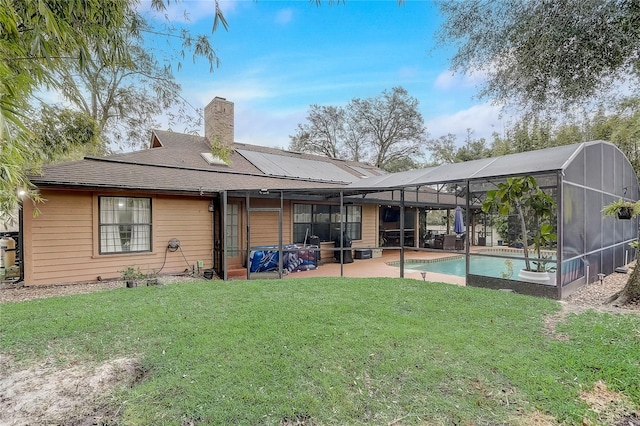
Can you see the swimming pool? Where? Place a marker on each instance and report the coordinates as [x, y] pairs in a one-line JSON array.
[[478, 265]]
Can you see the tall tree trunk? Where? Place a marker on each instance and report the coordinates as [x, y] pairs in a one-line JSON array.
[[630, 292]]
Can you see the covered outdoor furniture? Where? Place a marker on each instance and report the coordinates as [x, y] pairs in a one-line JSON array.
[[449, 242], [347, 256], [438, 241], [444, 242]]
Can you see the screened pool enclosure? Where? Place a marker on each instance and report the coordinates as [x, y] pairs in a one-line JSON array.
[[581, 179]]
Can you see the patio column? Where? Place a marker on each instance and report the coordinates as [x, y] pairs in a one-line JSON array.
[[402, 232], [223, 233]]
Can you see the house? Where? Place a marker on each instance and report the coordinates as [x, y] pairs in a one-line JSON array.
[[175, 207]]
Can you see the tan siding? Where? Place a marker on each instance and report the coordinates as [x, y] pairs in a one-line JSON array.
[[189, 221], [265, 228], [369, 227], [264, 225], [61, 244], [287, 222], [60, 238]]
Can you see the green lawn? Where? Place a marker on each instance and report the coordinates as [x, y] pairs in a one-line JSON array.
[[333, 351]]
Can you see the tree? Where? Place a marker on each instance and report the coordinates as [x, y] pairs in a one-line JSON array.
[[445, 149], [124, 98], [36, 37], [617, 121], [392, 126], [324, 132], [622, 128], [473, 149], [501, 145], [545, 54], [523, 196], [60, 134], [386, 131]]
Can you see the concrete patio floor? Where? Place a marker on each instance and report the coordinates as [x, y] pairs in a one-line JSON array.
[[379, 267]]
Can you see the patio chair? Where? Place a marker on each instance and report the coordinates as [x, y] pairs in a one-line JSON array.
[[438, 242], [428, 239], [449, 242], [460, 242]]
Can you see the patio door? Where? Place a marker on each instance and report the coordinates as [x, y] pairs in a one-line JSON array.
[[232, 235], [264, 235]]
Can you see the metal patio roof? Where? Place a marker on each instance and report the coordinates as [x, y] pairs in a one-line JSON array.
[[531, 162]]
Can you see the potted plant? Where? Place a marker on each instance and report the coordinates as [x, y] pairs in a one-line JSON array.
[[508, 263], [622, 209], [131, 275], [522, 195]]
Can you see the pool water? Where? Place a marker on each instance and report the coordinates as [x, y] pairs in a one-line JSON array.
[[485, 266]]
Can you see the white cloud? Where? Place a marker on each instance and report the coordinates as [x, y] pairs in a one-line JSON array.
[[257, 120], [284, 16], [483, 119], [265, 127], [247, 91], [449, 80]]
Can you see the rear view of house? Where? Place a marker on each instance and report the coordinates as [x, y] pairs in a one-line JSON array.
[[176, 206], [207, 203]]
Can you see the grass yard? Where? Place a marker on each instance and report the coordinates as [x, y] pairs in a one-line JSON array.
[[334, 351]]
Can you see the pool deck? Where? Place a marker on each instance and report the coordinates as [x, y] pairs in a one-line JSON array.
[[378, 267]]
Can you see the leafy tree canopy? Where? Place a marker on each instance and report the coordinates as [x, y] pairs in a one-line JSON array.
[[38, 40], [62, 134], [386, 131], [34, 37], [446, 150], [545, 54]]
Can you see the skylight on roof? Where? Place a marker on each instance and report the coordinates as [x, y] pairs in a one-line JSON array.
[[214, 160]]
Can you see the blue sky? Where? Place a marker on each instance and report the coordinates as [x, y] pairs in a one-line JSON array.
[[279, 57]]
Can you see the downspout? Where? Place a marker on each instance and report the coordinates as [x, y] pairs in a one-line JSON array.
[[416, 220], [212, 210]]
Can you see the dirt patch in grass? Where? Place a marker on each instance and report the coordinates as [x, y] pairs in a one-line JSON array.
[[610, 407], [534, 418], [46, 395]]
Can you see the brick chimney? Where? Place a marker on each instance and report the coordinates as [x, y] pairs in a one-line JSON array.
[[218, 121]]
